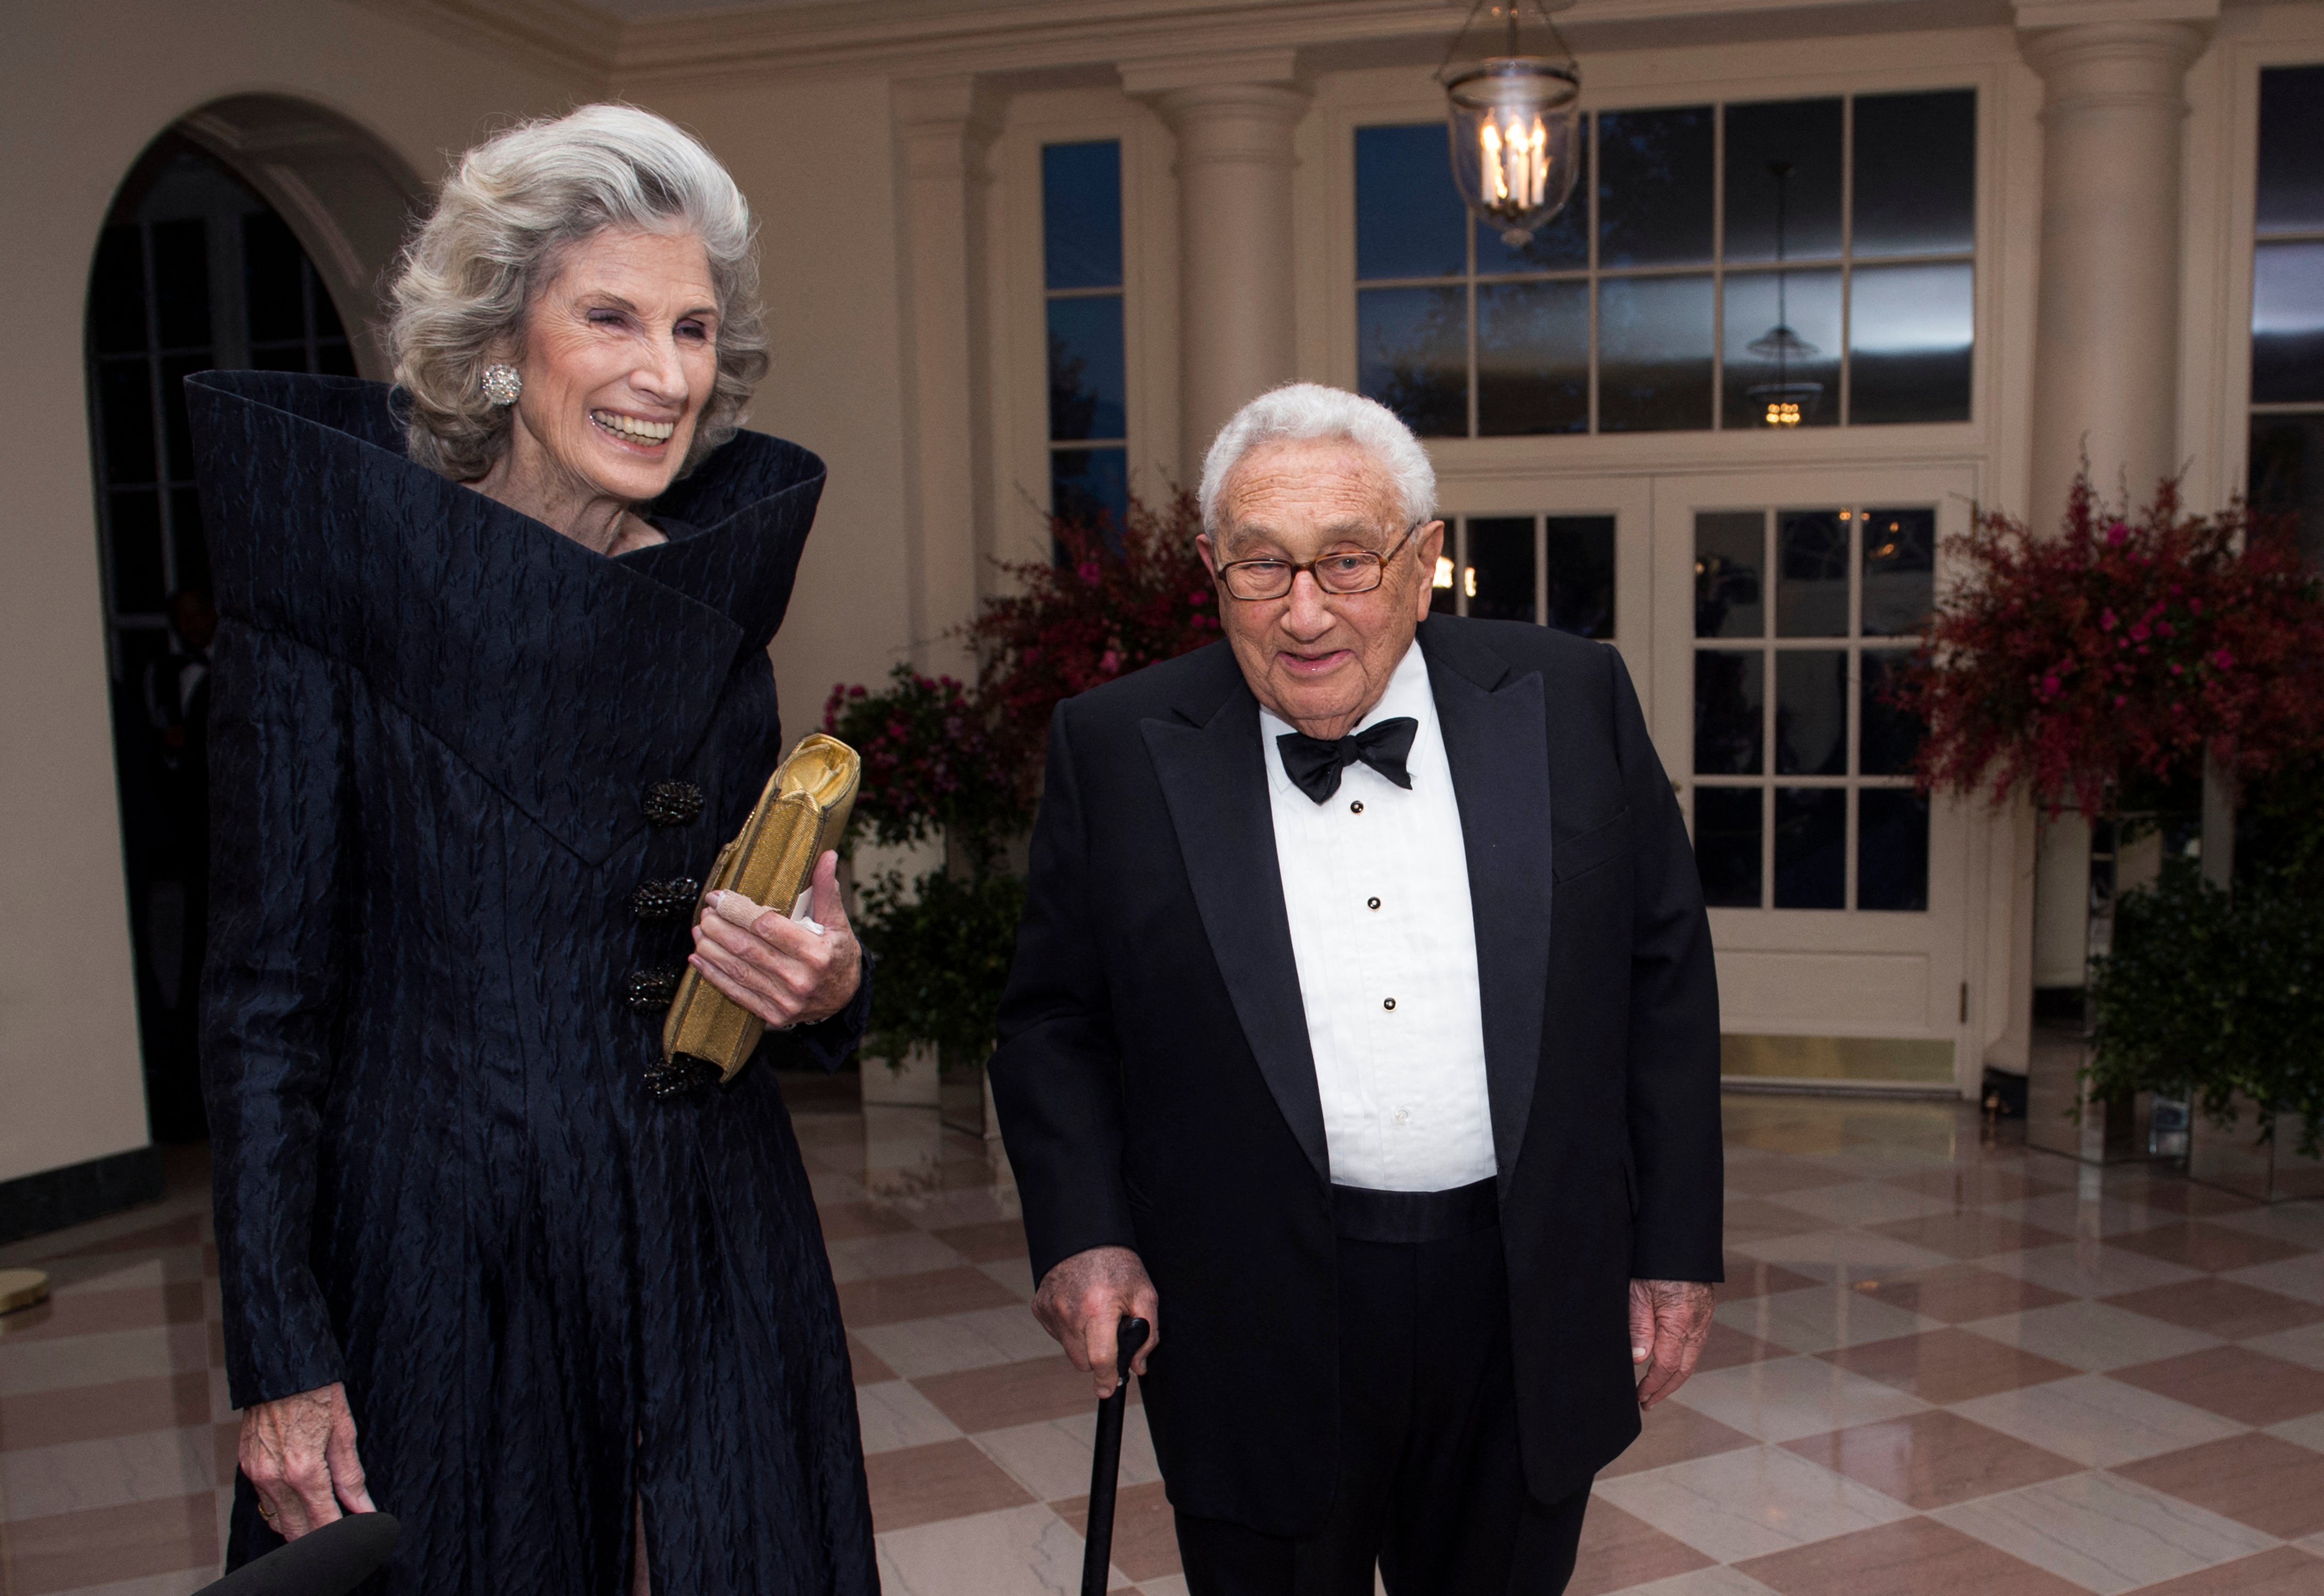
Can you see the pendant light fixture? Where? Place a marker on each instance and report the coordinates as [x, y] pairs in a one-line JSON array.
[[1783, 403], [1515, 126]]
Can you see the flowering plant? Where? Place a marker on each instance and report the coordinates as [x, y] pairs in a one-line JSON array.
[[1107, 606], [2068, 664], [929, 763], [941, 756]]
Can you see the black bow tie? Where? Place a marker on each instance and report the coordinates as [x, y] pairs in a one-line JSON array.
[[1315, 764]]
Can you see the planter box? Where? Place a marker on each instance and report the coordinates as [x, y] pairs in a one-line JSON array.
[[915, 1081], [2105, 1132], [2233, 1158]]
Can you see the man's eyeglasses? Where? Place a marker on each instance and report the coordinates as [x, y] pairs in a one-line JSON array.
[[1341, 572]]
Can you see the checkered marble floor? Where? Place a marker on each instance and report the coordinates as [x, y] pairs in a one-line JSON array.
[[1941, 1364]]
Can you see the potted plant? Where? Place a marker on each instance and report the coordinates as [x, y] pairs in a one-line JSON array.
[[2126, 650], [962, 764]]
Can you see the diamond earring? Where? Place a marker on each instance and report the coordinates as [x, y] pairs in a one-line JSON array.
[[502, 384]]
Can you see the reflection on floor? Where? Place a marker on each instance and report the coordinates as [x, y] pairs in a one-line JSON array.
[[1942, 1365]]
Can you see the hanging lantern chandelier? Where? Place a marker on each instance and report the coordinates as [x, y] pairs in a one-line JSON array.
[[1787, 400], [1515, 129]]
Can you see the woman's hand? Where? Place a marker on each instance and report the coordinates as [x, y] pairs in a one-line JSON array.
[[300, 1452], [782, 971]]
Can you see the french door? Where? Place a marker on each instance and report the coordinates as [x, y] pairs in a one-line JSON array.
[[1785, 605]]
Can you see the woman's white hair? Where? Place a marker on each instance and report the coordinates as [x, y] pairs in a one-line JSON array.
[[1298, 411], [502, 223]]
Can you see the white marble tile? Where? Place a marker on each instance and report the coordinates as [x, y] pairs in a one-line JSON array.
[[897, 1252], [1841, 1254], [1052, 1459], [1818, 1318], [1785, 1398], [2088, 1268], [1026, 1551], [2303, 1346], [831, 1186], [894, 1415], [919, 1347], [64, 1361], [1702, 1582], [2095, 1421], [2105, 1534], [2092, 1335], [1863, 1203], [1015, 1273], [2074, 1215], [967, 1206], [2308, 1430], [76, 1475], [1748, 1503], [2301, 1276]]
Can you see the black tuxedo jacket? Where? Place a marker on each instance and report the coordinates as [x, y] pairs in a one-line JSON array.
[[1156, 1091]]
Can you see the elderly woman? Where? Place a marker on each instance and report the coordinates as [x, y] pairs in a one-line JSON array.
[[491, 689]]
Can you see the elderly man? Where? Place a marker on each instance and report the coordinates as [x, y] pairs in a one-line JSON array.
[[1363, 1036]]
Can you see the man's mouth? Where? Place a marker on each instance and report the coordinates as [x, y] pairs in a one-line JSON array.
[[632, 429], [1310, 664]]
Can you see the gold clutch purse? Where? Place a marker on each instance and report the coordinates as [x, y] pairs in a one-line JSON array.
[[799, 817]]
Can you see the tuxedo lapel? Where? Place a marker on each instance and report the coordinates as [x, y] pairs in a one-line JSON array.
[[1214, 775], [1497, 740]]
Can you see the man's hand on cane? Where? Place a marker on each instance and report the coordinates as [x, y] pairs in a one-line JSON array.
[[300, 1452], [1669, 1321], [1081, 1302]]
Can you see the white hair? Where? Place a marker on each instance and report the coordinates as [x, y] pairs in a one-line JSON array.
[[502, 223], [1298, 412]]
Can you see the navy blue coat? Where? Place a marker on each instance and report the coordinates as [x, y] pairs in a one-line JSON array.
[[439, 1178]]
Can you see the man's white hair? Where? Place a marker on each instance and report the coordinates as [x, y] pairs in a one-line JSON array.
[[1298, 411]]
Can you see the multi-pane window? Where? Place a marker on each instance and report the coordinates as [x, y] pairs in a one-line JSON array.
[[1080, 249], [1798, 263], [1554, 570], [202, 275], [1802, 792], [2287, 424]]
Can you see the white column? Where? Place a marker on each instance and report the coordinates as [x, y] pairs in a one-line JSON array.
[[945, 126], [1235, 117], [2107, 323]]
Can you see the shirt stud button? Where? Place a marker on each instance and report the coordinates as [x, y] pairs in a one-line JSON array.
[[1371, 903], [1390, 1003], [1402, 1115], [1357, 807]]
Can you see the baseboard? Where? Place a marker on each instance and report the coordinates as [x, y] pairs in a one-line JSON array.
[[35, 1204], [1775, 1086]]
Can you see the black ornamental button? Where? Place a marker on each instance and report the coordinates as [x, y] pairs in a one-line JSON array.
[[649, 991], [673, 803], [678, 1077], [671, 899]]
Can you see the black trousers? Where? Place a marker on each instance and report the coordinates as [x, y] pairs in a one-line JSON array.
[[1429, 1484]]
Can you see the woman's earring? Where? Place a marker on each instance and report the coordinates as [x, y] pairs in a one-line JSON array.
[[502, 384]]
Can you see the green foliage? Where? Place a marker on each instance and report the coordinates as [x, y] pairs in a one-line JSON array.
[[944, 947], [2214, 996]]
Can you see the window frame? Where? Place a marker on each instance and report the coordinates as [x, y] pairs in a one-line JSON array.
[[2227, 213], [1625, 82], [1021, 442]]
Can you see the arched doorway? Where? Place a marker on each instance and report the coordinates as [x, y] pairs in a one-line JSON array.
[[198, 268]]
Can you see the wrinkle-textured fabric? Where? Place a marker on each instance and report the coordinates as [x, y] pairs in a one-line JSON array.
[[439, 1175]]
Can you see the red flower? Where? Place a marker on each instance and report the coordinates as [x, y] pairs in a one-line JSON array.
[[2226, 657]]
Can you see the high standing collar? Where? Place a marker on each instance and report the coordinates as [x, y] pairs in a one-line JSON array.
[[569, 680]]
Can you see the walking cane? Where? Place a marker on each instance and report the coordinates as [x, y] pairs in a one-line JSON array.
[[1105, 1465]]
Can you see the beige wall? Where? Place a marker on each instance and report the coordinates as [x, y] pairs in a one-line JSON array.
[[816, 161], [86, 87]]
